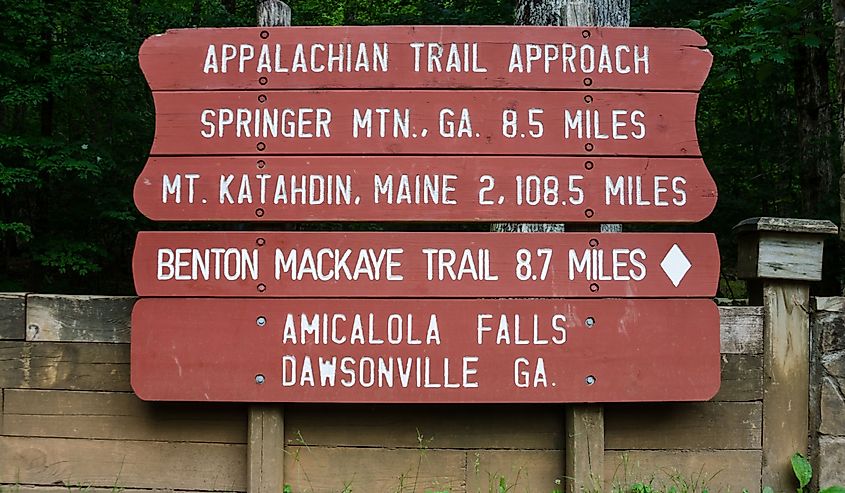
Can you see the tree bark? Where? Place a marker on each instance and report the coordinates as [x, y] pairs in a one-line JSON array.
[[839, 45], [812, 92], [273, 13]]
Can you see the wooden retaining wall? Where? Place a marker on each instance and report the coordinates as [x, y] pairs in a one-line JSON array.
[[70, 420]]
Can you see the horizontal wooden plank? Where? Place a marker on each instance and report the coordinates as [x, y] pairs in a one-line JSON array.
[[69, 366], [425, 122], [75, 488], [711, 470], [437, 427], [85, 318], [374, 469], [829, 304], [122, 464], [517, 470], [417, 188], [449, 351], [12, 316], [742, 329], [464, 265], [704, 425], [426, 56], [119, 416], [742, 378]]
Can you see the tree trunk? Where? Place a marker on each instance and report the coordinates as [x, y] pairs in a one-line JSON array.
[[812, 92], [839, 45]]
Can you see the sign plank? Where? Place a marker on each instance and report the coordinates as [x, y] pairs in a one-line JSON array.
[[432, 351], [426, 57], [467, 265], [436, 188], [426, 122]]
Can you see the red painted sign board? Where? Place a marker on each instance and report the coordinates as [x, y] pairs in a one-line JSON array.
[[425, 351], [426, 122], [415, 188], [426, 57], [437, 265]]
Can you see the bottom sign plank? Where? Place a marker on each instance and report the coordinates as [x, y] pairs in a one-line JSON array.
[[425, 351]]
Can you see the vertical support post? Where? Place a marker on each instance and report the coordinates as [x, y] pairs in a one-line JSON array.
[[782, 257], [266, 430], [584, 427]]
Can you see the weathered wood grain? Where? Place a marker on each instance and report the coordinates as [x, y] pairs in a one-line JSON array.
[[322, 469], [78, 488], [85, 318], [521, 470], [12, 316], [435, 427], [585, 444], [266, 449], [68, 366], [742, 378], [786, 378], [829, 304], [742, 329], [715, 470], [683, 426], [118, 416], [129, 464]]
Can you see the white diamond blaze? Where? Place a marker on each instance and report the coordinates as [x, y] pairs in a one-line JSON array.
[[675, 264]]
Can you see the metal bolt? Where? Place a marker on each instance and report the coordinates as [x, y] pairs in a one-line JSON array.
[[590, 321], [588, 99], [588, 165], [588, 81], [585, 33], [590, 380], [259, 379], [261, 321], [265, 34], [594, 287], [262, 98], [260, 146], [262, 81], [259, 212], [262, 288], [260, 163], [594, 242], [589, 213], [588, 146], [260, 241]]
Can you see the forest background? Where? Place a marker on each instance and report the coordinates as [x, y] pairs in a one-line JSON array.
[[77, 120]]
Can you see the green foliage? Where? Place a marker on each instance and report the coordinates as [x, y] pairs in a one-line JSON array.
[[803, 471]]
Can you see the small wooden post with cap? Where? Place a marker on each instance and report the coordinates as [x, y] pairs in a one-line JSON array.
[[780, 258]]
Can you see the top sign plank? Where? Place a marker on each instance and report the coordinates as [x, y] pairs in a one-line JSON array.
[[508, 57]]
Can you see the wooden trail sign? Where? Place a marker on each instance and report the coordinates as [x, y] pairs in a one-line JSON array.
[[414, 188], [438, 265], [512, 57], [426, 122], [425, 351]]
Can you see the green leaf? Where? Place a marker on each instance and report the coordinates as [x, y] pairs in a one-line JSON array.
[[803, 469], [833, 489], [768, 489]]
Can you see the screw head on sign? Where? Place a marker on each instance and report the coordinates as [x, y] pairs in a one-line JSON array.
[[260, 241], [594, 242], [265, 34], [588, 99], [259, 379], [260, 146], [262, 98], [594, 287], [589, 213], [590, 321], [261, 288], [589, 165], [590, 380], [588, 146], [261, 164], [588, 81], [585, 33], [259, 212], [261, 321], [262, 81]]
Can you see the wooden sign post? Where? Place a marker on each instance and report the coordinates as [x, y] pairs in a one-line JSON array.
[[426, 123]]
